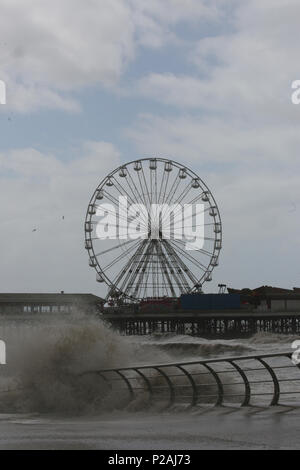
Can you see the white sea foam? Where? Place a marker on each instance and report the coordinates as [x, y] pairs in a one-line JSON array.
[[46, 360]]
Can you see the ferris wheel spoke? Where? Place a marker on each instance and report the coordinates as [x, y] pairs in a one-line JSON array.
[[155, 186], [201, 250], [182, 229], [165, 283], [193, 200], [154, 214], [174, 269], [121, 256], [184, 194], [136, 196], [165, 273], [123, 191], [174, 186], [180, 266], [185, 270], [157, 272], [114, 248], [196, 198], [146, 283], [153, 274], [131, 186], [172, 264], [115, 201], [141, 233], [119, 216], [112, 199], [199, 213], [143, 188], [190, 258], [133, 284], [151, 190], [166, 186], [140, 195], [161, 184], [135, 266], [173, 190], [125, 272], [103, 224], [143, 269], [146, 186]]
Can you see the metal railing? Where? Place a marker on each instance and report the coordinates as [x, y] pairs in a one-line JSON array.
[[265, 379]]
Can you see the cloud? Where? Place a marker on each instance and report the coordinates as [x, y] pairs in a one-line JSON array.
[[38, 190], [212, 140], [228, 115], [27, 98], [233, 122], [254, 175], [57, 47], [155, 20], [246, 72]]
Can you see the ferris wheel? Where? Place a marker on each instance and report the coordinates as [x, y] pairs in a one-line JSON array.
[[144, 237]]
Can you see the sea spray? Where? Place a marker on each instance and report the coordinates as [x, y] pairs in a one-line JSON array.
[[47, 360]]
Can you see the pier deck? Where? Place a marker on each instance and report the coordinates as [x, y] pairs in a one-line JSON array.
[[213, 323]]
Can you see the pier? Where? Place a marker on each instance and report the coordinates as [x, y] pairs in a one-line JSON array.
[[207, 324]]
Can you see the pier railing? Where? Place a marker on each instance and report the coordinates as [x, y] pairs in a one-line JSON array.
[[265, 379]]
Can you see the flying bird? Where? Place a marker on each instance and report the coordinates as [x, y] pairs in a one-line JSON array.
[[34, 230]]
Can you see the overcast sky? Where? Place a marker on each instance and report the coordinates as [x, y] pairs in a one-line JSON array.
[[93, 83]]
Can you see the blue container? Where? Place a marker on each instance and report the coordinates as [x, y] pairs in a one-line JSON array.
[[209, 301], [195, 301], [225, 301]]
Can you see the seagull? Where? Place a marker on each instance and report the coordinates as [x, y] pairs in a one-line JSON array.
[[34, 230]]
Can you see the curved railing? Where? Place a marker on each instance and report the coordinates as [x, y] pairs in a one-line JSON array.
[[265, 379]]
